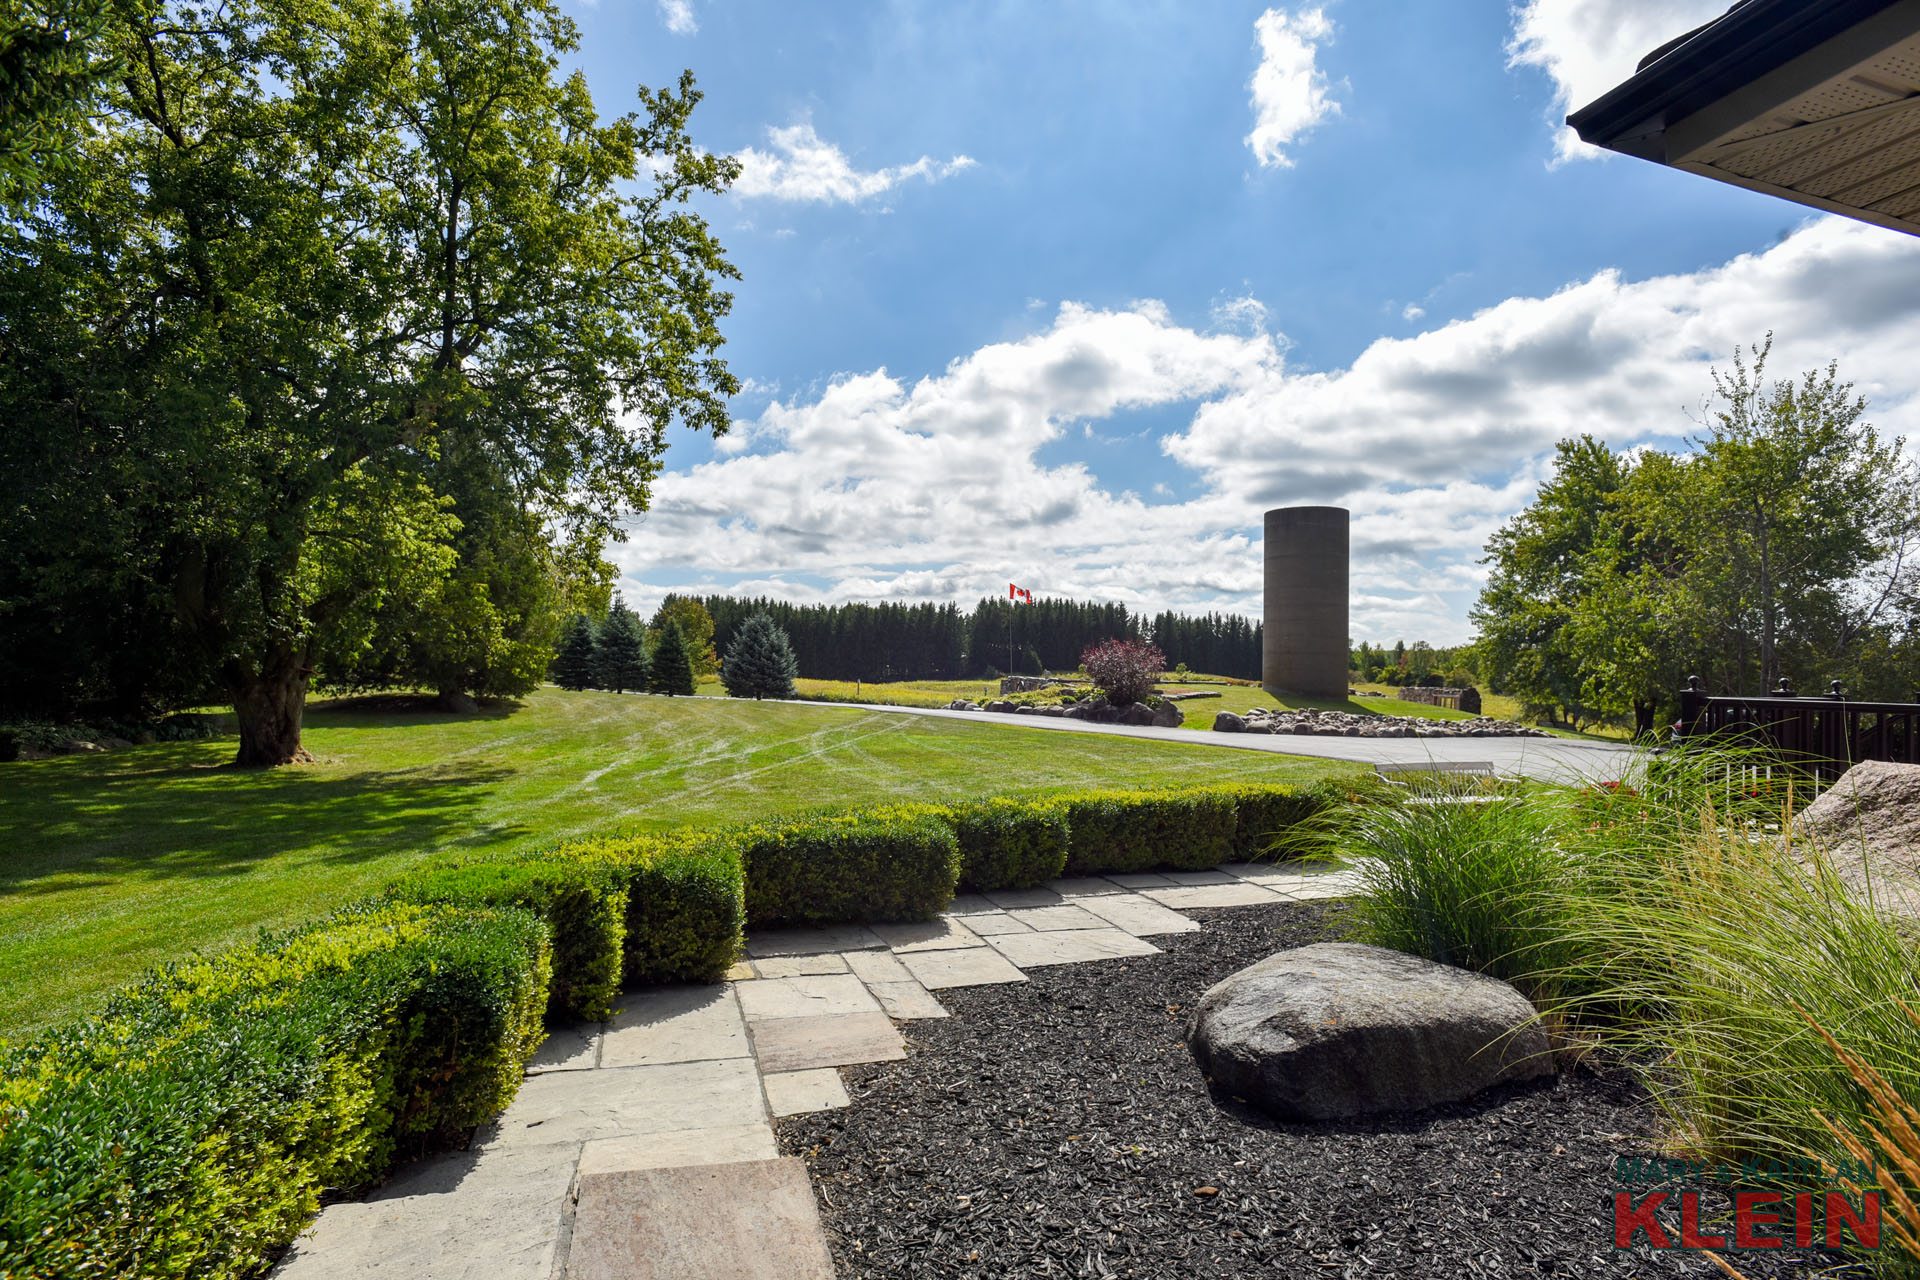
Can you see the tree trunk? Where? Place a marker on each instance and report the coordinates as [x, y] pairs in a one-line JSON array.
[[270, 704]]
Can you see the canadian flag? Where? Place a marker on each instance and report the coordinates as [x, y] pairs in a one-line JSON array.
[[1019, 593]]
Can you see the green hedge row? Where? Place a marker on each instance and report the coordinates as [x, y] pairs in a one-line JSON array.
[[190, 1129], [894, 862]]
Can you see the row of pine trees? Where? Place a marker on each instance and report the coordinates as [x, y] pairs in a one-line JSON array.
[[940, 642]]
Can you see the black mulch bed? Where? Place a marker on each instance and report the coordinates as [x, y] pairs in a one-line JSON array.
[[1060, 1128]]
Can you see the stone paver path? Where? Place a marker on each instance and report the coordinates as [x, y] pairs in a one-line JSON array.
[[653, 1132]]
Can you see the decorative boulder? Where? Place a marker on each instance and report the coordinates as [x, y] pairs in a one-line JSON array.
[[1000, 704], [1168, 716], [1868, 826], [1227, 722], [1138, 714], [1340, 1029]]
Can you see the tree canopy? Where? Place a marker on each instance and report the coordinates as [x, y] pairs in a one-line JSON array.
[[1779, 545], [351, 322], [759, 661]]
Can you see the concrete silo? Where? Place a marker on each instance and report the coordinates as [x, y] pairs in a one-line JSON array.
[[1304, 647]]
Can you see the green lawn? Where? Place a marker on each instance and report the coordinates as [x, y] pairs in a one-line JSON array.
[[110, 863]]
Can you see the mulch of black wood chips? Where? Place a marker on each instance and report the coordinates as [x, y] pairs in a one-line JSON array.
[[1059, 1127]]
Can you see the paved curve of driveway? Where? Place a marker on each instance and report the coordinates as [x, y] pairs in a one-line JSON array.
[[1544, 759]]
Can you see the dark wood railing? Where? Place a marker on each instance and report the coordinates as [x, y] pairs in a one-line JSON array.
[[1821, 736]]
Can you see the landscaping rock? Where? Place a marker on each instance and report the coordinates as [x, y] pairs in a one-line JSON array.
[[1339, 1029], [1000, 705], [1868, 825], [1227, 722], [1368, 724], [1168, 716], [963, 704], [1139, 714], [75, 747]]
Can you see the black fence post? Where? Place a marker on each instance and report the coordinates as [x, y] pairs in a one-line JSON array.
[[1693, 701]]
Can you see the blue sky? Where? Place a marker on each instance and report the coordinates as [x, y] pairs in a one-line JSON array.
[[1068, 294]]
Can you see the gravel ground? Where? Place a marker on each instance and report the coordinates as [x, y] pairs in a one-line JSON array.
[[1060, 1128]]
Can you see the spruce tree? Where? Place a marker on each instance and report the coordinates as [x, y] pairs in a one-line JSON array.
[[759, 662], [576, 662], [672, 664], [623, 651]]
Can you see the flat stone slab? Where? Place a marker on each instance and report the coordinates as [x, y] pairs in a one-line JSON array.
[[1084, 887], [1015, 899], [675, 1024], [1200, 877], [809, 997], [1342, 884], [1238, 894], [678, 1147], [997, 922], [1261, 872], [800, 966], [1046, 919], [877, 966], [753, 1220], [792, 1093], [904, 1000], [575, 1048], [807, 942], [465, 1215], [974, 967], [1071, 946], [969, 904], [830, 1040], [1140, 880], [1139, 916], [574, 1106], [942, 934], [739, 971]]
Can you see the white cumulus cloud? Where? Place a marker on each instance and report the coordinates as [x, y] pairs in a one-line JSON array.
[[990, 471], [678, 15], [1290, 93], [1589, 46], [800, 165]]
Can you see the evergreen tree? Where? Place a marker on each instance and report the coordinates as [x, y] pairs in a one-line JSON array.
[[672, 664], [575, 665], [622, 657], [759, 662]]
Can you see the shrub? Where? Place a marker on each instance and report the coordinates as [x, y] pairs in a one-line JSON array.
[[1470, 700], [760, 661], [1264, 813], [1009, 844], [1139, 830], [686, 904], [1125, 670], [583, 901], [672, 670], [190, 1129], [896, 862]]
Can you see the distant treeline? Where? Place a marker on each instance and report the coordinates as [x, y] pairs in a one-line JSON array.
[[940, 642]]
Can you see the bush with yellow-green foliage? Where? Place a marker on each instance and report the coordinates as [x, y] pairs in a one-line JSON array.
[[891, 862], [1008, 843], [1120, 831], [190, 1129]]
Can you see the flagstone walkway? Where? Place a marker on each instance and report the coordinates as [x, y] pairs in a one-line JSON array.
[[644, 1146]]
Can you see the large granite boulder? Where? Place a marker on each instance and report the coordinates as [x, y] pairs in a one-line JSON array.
[[1340, 1029], [1227, 722], [1168, 716], [1868, 826]]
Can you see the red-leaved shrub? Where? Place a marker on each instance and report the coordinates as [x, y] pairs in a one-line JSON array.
[[1124, 670]]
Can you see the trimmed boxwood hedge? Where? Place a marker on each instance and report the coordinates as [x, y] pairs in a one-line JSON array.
[[893, 862], [190, 1129], [1139, 830], [1007, 843], [1263, 812], [583, 901], [686, 902]]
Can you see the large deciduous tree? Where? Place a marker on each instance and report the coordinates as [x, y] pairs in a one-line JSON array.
[[1779, 545], [315, 255]]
